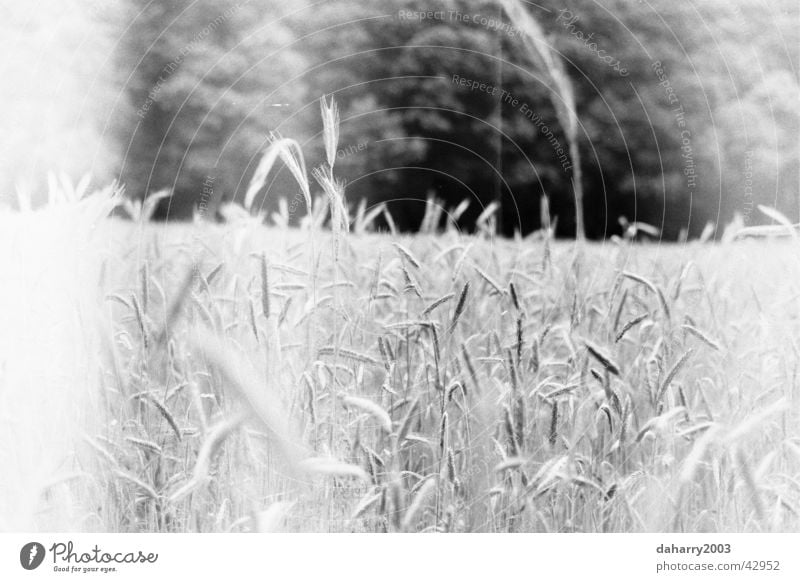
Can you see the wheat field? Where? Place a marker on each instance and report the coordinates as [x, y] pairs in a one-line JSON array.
[[237, 377]]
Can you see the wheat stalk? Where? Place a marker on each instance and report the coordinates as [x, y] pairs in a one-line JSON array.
[[562, 96]]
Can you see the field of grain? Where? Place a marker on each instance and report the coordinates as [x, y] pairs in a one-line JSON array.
[[240, 377]]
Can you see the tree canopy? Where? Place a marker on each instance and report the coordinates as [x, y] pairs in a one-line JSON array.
[[687, 113]]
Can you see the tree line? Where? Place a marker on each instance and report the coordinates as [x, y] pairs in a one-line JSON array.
[[686, 113]]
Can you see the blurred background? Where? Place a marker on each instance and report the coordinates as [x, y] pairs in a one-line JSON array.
[[689, 111]]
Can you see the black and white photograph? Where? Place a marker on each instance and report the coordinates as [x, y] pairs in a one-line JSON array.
[[399, 266]]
